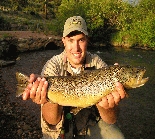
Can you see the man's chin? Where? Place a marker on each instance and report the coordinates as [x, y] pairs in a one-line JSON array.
[[77, 62]]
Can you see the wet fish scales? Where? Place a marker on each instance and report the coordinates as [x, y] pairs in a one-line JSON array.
[[87, 89]]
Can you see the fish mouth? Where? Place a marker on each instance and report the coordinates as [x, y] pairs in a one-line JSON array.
[[141, 81]]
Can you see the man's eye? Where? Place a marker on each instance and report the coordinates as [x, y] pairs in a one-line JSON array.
[[82, 40], [70, 40]]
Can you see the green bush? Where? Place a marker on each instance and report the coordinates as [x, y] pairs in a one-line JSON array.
[[145, 23], [100, 15], [67, 9], [4, 24], [114, 21], [137, 25]]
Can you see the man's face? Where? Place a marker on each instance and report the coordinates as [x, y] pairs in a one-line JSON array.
[[75, 47]]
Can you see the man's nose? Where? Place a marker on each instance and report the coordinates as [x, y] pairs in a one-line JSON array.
[[76, 46]]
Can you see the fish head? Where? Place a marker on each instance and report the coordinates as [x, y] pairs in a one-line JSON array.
[[135, 77]]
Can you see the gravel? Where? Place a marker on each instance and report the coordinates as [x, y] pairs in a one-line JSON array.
[[21, 119]]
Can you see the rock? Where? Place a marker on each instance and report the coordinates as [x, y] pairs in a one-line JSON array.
[[6, 63], [19, 132], [26, 41], [26, 127], [2, 122]]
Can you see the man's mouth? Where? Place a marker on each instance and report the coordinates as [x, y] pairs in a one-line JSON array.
[[77, 54]]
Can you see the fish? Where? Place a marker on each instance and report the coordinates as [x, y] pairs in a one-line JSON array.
[[88, 88]]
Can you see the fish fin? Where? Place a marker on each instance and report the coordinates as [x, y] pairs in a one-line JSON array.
[[22, 82], [75, 110]]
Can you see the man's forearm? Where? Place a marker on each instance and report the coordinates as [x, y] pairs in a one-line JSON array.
[[52, 113], [108, 115]]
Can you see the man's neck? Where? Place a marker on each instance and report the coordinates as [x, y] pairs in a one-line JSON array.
[[76, 70]]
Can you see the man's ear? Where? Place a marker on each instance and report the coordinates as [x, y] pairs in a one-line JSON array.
[[63, 40]]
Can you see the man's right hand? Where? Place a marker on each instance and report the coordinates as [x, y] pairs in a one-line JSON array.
[[36, 89]]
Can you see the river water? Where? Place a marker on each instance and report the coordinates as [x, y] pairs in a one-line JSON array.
[[137, 114]]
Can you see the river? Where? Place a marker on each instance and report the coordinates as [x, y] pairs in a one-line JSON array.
[[137, 114]]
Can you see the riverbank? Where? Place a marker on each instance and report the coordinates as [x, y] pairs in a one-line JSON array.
[[24, 34], [14, 42], [17, 121], [20, 119]]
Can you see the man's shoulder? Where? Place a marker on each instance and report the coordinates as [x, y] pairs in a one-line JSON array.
[[61, 55], [94, 60], [58, 58], [92, 55]]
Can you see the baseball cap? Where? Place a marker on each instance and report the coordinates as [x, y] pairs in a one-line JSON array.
[[75, 23]]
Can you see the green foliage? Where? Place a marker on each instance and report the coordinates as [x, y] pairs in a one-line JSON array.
[[2, 20], [145, 23], [3, 23], [112, 21], [67, 9], [143, 32], [34, 7], [137, 25], [109, 21], [101, 16]]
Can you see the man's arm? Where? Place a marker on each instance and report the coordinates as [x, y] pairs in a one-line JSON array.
[[52, 113], [108, 106], [108, 115], [37, 90]]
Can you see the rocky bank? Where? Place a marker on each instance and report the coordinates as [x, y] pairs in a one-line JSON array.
[[14, 42]]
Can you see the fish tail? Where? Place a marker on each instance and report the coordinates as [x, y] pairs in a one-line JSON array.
[[22, 82]]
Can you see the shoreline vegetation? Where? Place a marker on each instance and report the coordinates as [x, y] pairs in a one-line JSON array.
[[117, 23]]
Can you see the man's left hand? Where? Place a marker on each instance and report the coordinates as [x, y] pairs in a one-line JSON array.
[[114, 98]]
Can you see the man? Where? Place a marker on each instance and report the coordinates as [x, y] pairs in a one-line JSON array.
[[93, 122]]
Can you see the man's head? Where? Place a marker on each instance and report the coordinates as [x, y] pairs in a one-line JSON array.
[[75, 39]]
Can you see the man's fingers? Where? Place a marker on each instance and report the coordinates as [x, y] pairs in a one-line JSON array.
[[116, 96], [39, 91], [44, 92], [34, 89], [104, 103], [120, 90], [111, 101], [32, 78], [116, 64], [26, 93]]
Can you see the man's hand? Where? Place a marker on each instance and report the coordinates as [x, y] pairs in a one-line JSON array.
[[114, 98], [36, 90]]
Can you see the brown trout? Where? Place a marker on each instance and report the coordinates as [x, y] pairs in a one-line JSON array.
[[88, 88]]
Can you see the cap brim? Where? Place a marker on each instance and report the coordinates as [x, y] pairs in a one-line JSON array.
[[74, 29]]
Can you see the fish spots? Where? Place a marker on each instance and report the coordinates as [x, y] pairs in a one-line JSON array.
[[88, 88]]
